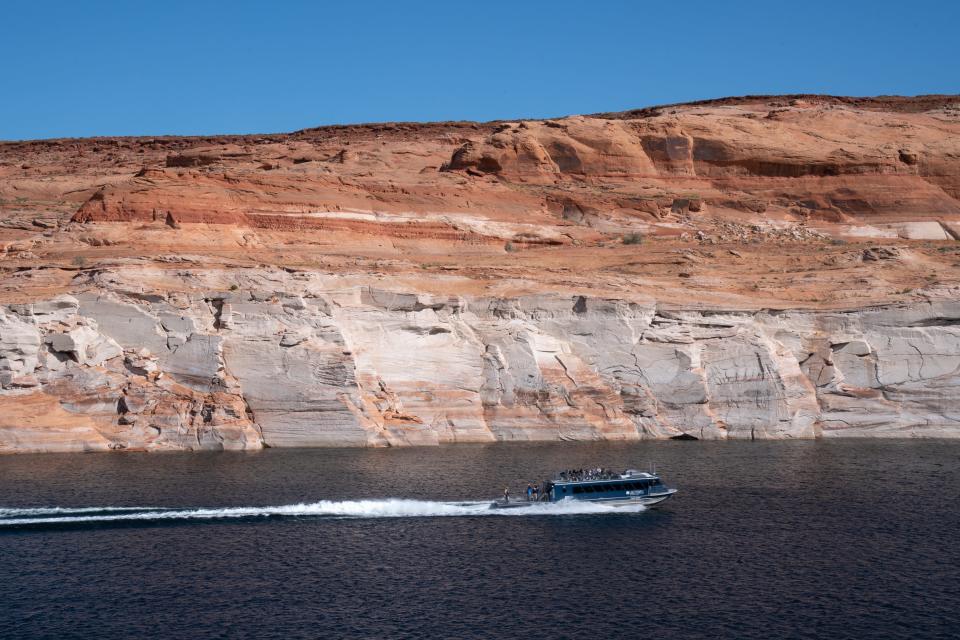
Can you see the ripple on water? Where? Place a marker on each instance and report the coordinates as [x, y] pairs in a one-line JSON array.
[[804, 539]]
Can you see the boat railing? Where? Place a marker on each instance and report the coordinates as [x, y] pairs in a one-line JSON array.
[[559, 477]]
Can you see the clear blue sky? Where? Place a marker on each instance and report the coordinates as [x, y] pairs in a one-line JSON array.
[[82, 68]]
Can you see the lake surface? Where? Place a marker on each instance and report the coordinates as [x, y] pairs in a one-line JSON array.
[[840, 539]]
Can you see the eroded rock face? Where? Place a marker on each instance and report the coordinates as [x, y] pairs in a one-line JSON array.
[[19, 348], [759, 267], [85, 345], [837, 162], [308, 361]]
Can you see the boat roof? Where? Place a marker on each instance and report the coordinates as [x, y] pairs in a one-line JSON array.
[[630, 474]]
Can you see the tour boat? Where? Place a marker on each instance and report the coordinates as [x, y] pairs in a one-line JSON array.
[[631, 487]]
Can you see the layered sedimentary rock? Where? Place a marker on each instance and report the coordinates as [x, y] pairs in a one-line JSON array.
[[771, 267], [820, 162], [306, 360]]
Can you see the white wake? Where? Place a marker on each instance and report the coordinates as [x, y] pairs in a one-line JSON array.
[[53, 511], [389, 508]]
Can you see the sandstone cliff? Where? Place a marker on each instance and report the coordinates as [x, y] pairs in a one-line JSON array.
[[746, 268]]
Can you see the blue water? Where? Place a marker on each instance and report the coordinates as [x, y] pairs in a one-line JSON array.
[[853, 539]]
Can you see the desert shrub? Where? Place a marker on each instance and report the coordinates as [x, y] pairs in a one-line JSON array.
[[634, 238]]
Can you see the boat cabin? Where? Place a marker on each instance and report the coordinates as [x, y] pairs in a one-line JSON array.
[[632, 485]]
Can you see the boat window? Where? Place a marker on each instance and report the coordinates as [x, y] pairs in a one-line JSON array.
[[588, 489], [617, 487], [577, 489]]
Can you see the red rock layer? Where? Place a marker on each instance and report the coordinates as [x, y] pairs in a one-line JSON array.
[[801, 158]]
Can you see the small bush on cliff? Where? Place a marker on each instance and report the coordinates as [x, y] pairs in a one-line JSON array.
[[509, 247], [634, 238]]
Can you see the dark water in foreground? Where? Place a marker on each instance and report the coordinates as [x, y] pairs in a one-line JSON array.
[[765, 540]]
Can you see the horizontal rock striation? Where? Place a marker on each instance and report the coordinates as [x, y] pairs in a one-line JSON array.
[[308, 360], [755, 267], [829, 162]]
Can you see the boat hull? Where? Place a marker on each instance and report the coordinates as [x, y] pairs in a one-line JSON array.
[[646, 501], [500, 504], [649, 501]]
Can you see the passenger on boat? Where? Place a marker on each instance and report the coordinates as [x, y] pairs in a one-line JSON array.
[[545, 491], [536, 492], [506, 494], [579, 475]]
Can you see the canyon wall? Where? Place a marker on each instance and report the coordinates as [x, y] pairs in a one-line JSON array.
[[757, 267], [303, 360]]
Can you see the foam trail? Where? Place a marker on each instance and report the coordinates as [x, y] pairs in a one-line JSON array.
[[389, 508], [53, 511]]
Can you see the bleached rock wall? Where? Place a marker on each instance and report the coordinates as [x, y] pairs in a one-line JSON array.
[[310, 360]]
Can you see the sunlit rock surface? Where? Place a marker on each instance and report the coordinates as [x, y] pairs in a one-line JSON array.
[[757, 267], [314, 361]]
